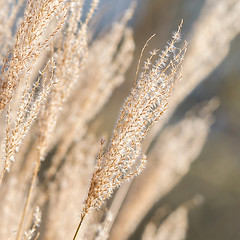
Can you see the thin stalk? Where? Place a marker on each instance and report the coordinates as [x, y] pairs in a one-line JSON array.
[[83, 215], [30, 191]]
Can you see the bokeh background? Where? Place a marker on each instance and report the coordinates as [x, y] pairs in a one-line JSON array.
[[215, 173]]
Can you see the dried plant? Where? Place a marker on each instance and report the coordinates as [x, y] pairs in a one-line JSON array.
[[145, 105], [54, 81], [18, 63]]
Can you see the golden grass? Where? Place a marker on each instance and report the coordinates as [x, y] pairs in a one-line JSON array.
[[53, 83]]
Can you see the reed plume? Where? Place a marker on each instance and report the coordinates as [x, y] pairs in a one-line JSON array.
[[147, 102], [54, 82]]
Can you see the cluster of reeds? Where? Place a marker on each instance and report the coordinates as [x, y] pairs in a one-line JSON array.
[[55, 80]]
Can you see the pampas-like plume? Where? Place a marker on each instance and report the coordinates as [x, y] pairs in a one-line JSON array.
[[145, 105]]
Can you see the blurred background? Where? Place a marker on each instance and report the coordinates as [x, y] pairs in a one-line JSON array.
[[215, 173]]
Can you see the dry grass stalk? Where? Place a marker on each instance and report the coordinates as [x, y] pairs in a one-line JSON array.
[[18, 63], [145, 105], [17, 68], [69, 64], [37, 19], [27, 112], [50, 113], [55, 95], [40, 152]]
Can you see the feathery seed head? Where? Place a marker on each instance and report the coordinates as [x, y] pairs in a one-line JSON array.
[[146, 104]]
